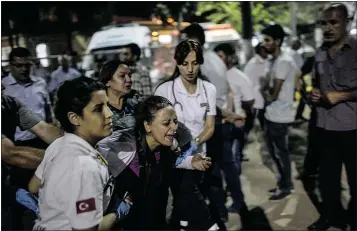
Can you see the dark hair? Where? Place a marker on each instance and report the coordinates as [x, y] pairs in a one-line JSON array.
[[296, 44], [19, 52], [108, 69], [258, 48], [337, 7], [275, 31], [226, 48], [135, 50], [185, 47], [195, 31], [73, 96], [181, 52], [147, 109]]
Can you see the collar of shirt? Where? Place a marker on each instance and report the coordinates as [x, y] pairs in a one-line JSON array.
[[348, 43], [12, 81], [87, 148], [178, 85]]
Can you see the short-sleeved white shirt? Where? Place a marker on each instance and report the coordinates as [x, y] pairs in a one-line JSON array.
[[256, 69], [194, 106], [76, 186], [281, 110], [215, 70], [242, 88]]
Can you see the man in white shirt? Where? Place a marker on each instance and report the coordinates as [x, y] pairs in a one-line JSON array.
[[279, 95], [243, 99], [242, 91], [256, 69], [62, 73]]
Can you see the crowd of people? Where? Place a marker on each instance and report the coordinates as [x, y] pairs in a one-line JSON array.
[[106, 153]]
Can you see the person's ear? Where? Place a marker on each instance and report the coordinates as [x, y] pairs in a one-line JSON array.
[[74, 118], [147, 127]]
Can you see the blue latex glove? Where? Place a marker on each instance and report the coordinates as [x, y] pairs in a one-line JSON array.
[[187, 153], [27, 200], [123, 210]]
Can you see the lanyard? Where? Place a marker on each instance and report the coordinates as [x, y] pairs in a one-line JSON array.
[[102, 159]]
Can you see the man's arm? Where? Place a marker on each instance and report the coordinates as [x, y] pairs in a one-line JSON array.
[[23, 157], [46, 132], [335, 97], [278, 83], [298, 84], [30, 121]]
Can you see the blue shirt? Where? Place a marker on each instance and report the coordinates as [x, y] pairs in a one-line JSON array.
[[33, 95]]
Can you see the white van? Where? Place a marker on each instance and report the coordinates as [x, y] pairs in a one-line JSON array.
[[109, 42]]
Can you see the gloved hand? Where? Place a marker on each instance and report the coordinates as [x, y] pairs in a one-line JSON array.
[[123, 210], [186, 153], [27, 200]]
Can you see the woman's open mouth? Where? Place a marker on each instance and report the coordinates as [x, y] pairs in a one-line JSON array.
[[170, 137]]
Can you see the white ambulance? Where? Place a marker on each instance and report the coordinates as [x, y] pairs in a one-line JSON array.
[[107, 43]]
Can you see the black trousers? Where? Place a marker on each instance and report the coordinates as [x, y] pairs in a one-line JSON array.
[[338, 147], [312, 163], [190, 211], [312, 158], [276, 136]]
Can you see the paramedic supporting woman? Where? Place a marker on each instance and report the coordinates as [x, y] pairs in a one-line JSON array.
[[142, 160], [194, 100], [76, 186]]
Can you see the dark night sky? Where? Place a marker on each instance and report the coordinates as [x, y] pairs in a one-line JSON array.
[[26, 14]]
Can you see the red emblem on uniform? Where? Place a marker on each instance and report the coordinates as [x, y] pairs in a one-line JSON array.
[[85, 206]]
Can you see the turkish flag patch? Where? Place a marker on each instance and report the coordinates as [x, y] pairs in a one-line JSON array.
[[85, 206]]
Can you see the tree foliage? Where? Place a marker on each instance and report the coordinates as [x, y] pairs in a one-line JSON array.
[[262, 13]]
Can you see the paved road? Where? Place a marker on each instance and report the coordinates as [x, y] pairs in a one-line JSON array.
[[293, 213]]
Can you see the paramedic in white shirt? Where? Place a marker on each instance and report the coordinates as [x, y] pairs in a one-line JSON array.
[[75, 184], [62, 73], [215, 70], [256, 69], [194, 100], [279, 113]]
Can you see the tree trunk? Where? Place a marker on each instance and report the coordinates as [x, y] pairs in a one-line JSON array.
[[247, 31]]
